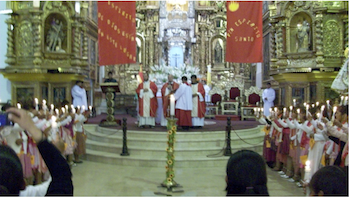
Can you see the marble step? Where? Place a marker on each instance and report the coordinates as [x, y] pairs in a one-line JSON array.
[[161, 141], [155, 135], [159, 152]]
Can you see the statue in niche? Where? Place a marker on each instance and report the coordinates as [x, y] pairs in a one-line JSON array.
[[218, 53], [55, 36], [303, 37]]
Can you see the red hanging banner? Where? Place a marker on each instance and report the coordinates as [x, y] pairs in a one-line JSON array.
[[116, 32], [244, 32]]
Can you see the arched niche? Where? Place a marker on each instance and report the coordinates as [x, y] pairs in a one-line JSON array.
[[301, 33], [56, 34], [218, 50]]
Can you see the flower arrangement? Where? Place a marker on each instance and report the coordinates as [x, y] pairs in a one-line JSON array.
[[160, 73]]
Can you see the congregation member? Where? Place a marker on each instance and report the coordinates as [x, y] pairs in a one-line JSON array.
[[80, 136], [11, 173], [147, 100], [183, 107], [268, 96], [79, 94], [168, 88], [246, 174], [198, 103]]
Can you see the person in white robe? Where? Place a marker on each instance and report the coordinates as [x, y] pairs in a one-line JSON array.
[[183, 107], [79, 94], [268, 98]]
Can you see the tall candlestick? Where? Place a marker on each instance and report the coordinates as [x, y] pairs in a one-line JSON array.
[[172, 105]]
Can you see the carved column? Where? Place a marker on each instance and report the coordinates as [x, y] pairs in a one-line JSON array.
[[36, 20], [319, 40], [10, 42], [346, 31], [273, 54], [83, 14], [76, 44], [282, 61], [202, 30], [151, 28]]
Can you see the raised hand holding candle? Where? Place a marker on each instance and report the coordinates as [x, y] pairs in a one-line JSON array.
[[172, 105]]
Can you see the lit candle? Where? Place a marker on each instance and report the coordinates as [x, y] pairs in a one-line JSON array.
[[18, 105], [57, 112], [172, 105], [63, 110], [341, 100], [78, 107], [290, 111], [271, 111], [304, 104], [313, 105], [307, 170], [90, 108], [36, 104], [51, 108], [334, 110], [317, 103], [82, 108], [319, 116], [298, 111], [346, 100], [66, 107], [255, 111], [328, 106], [284, 111], [53, 122], [322, 109], [307, 109], [275, 111], [294, 102], [73, 110]]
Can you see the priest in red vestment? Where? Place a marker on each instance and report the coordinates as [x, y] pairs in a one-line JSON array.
[[147, 96], [167, 89], [198, 103]]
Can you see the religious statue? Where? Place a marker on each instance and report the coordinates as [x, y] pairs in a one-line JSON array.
[[55, 36], [303, 37]]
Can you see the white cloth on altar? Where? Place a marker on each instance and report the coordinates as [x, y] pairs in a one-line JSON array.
[[270, 95]]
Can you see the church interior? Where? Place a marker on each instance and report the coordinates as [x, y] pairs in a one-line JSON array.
[[52, 44]]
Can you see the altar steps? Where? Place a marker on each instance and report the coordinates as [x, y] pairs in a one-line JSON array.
[[192, 149]]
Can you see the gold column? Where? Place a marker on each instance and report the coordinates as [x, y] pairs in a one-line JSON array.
[[10, 42], [36, 20]]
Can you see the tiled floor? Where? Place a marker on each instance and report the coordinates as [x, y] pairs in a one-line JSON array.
[[98, 179]]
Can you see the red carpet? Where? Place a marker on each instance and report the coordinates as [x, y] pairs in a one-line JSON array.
[[219, 125]]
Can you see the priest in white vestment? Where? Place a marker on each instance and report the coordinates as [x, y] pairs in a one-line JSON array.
[[147, 92], [183, 107], [79, 94], [268, 98]]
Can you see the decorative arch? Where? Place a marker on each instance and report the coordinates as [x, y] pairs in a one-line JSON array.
[[301, 32]]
